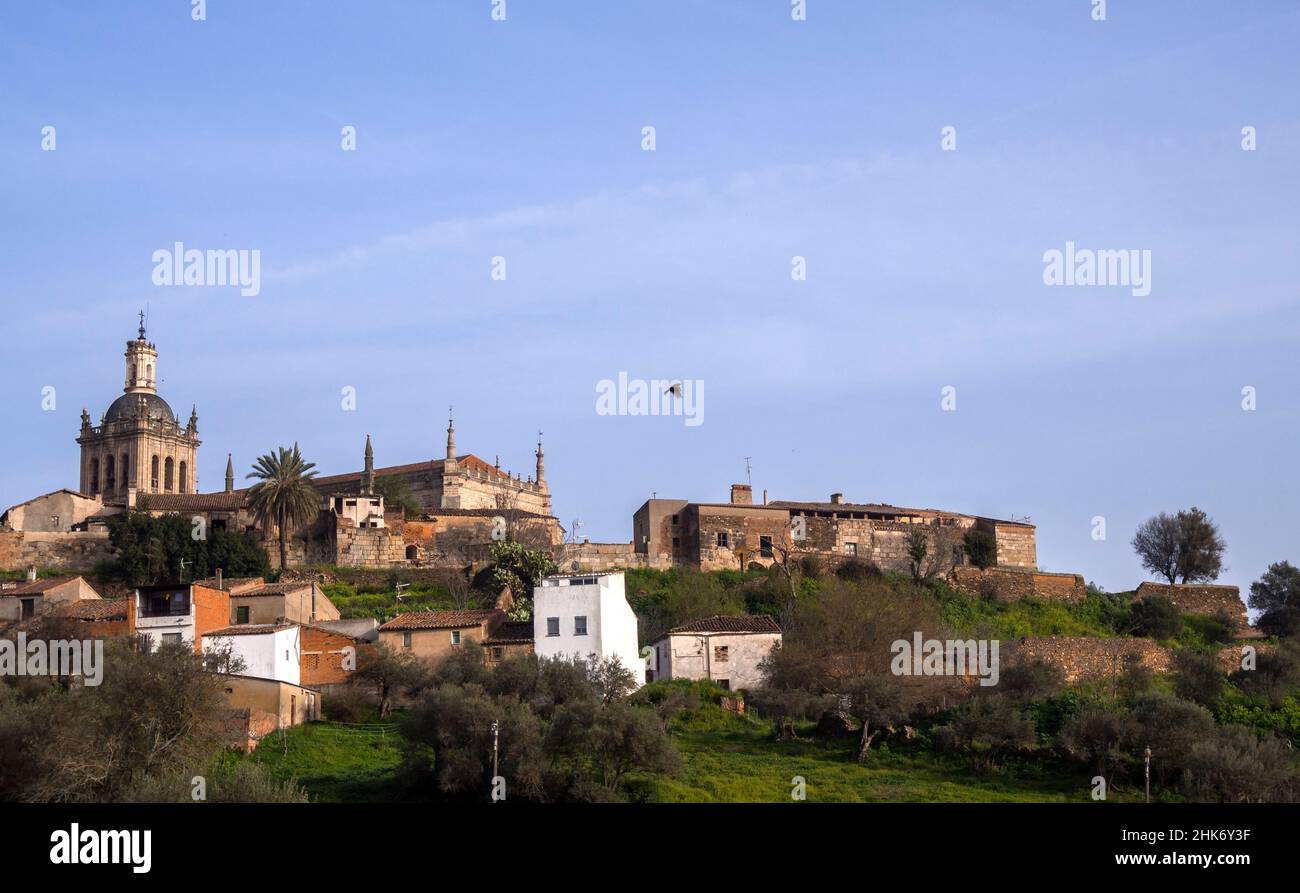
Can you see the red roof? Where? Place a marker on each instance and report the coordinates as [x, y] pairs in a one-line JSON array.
[[412, 620], [34, 587], [96, 609], [745, 623]]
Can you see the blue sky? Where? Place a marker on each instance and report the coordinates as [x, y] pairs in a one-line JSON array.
[[775, 138]]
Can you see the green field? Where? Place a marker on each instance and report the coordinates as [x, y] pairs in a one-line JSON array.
[[728, 759]]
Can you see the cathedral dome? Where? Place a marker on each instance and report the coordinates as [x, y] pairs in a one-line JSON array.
[[155, 409]]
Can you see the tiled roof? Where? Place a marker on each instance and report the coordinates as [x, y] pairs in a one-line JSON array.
[[268, 589], [437, 620], [34, 587], [194, 502], [230, 584], [250, 629], [96, 609], [513, 632], [745, 623]]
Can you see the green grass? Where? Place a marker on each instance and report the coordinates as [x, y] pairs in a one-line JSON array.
[[1097, 615], [337, 763], [732, 759]]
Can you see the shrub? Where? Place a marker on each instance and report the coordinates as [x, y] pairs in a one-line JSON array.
[[1156, 617], [981, 547], [1239, 766]]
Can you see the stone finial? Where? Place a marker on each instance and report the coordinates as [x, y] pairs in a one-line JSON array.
[[368, 475], [194, 419], [85, 418], [230, 473], [541, 460], [451, 440]]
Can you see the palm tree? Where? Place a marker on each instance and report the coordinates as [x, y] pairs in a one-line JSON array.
[[283, 495]]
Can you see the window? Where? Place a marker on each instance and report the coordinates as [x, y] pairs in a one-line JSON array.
[[406, 640], [29, 608], [724, 540], [153, 475], [241, 614], [579, 626], [765, 546], [851, 548], [171, 638], [182, 485], [674, 519], [455, 638], [124, 468], [724, 683], [498, 653], [721, 653], [168, 468], [677, 542], [552, 626]]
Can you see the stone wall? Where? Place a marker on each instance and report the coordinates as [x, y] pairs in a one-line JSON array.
[[77, 550], [1201, 599], [1014, 584], [1089, 659], [599, 557], [367, 547]]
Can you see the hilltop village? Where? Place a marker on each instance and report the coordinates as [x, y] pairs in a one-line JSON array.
[[454, 519]]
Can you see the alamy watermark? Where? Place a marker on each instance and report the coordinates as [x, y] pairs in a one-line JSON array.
[[655, 397], [60, 657], [218, 267], [954, 657], [1129, 267]]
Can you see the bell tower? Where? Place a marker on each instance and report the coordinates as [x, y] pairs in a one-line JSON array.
[[141, 364]]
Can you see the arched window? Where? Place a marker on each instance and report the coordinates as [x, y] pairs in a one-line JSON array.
[[184, 479], [130, 376], [94, 477], [110, 475], [148, 373], [153, 475], [124, 471], [412, 553], [168, 467]]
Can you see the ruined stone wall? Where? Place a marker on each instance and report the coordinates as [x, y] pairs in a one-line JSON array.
[[368, 547], [1088, 659], [1201, 599], [744, 526], [1013, 584], [598, 557], [78, 550]]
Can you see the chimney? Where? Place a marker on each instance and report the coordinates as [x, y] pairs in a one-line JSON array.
[[764, 496], [837, 499], [219, 586], [31, 574], [742, 494]]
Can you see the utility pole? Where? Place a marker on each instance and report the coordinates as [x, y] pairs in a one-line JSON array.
[[1147, 755], [496, 728]]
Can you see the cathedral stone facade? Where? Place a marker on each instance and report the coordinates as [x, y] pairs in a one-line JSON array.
[[139, 444]]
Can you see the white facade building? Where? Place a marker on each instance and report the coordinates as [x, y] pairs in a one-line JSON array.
[[584, 615], [268, 650], [726, 650]]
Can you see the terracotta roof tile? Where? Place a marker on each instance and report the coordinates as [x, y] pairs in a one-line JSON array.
[[96, 609], [35, 587], [512, 632], [194, 502], [413, 620], [250, 629], [745, 623]]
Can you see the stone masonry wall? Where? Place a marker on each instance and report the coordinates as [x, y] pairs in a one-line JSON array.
[[1200, 599], [1090, 659], [73, 551], [1011, 584]]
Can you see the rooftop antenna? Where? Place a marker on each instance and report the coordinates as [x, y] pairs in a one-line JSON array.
[[748, 475], [399, 588]]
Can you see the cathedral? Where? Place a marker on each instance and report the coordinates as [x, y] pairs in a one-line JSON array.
[[139, 443]]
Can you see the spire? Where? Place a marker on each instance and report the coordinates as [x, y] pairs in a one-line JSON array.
[[368, 476], [230, 474], [541, 460], [141, 325], [451, 440], [141, 363]]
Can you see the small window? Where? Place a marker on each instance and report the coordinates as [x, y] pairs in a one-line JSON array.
[[171, 638], [674, 519], [552, 626], [241, 614], [724, 683], [406, 640], [851, 548], [677, 542], [579, 626], [765, 546], [455, 637], [724, 539], [721, 653], [498, 653]]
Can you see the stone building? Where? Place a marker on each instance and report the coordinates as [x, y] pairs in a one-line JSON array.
[[735, 534], [139, 444], [725, 650]]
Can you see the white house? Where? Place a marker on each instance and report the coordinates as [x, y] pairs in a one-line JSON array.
[[269, 650], [585, 615], [727, 650]]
